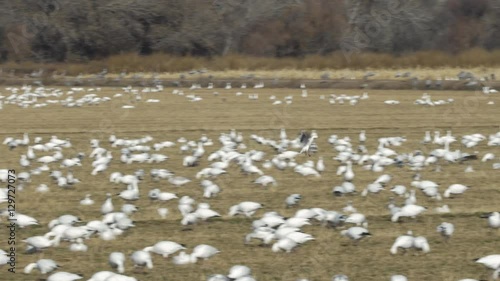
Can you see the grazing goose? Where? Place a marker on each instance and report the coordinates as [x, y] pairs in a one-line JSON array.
[[357, 219], [408, 211], [247, 208], [21, 220], [44, 265], [446, 229], [64, 276], [182, 258], [239, 271], [142, 258], [492, 262], [356, 233], [36, 243], [78, 246], [165, 248], [420, 243], [455, 189], [163, 212], [107, 207], [404, 241], [349, 208], [284, 244], [203, 252], [493, 219], [156, 194], [293, 200], [117, 260], [87, 200]]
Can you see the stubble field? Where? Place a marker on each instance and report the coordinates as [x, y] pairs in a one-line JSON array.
[[330, 253]]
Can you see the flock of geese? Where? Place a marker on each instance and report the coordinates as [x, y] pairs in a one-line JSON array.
[[55, 158], [29, 97]]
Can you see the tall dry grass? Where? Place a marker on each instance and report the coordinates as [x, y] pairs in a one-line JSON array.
[[162, 63]]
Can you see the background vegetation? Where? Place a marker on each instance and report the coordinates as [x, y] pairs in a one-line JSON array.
[[153, 34]]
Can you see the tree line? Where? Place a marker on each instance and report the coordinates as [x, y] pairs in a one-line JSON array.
[[82, 30]]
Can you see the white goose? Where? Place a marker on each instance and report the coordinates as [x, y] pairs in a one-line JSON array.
[[455, 189], [64, 276], [203, 251], [408, 211], [78, 246], [165, 248], [284, 244], [142, 258], [117, 260], [107, 207], [247, 208], [492, 262], [44, 265], [404, 241]]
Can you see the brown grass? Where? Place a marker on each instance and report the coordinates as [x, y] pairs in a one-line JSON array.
[[165, 63], [316, 260]]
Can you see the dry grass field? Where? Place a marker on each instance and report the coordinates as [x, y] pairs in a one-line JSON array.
[[174, 116]]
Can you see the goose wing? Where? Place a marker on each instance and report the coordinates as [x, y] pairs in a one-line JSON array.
[[304, 137]]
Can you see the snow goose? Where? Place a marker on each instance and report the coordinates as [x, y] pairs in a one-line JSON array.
[[247, 208], [203, 251], [239, 271], [178, 181], [399, 190], [349, 208], [107, 207], [78, 246], [36, 243], [142, 258], [87, 200], [129, 209], [165, 248], [182, 258], [420, 243], [446, 229], [119, 277], [163, 212], [356, 233], [117, 260], [408, 211], [358, 219], [265, 180], [443, 209], [284, 244], [292, 200], [217, 277], [4, 259], [296, 222], [320, 165], [44, 265], [64, 276], [299, 237], [22, 220], [404, 241], [156, 194], [455, 189], [492, 262], [493, 219], [398, 278]]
